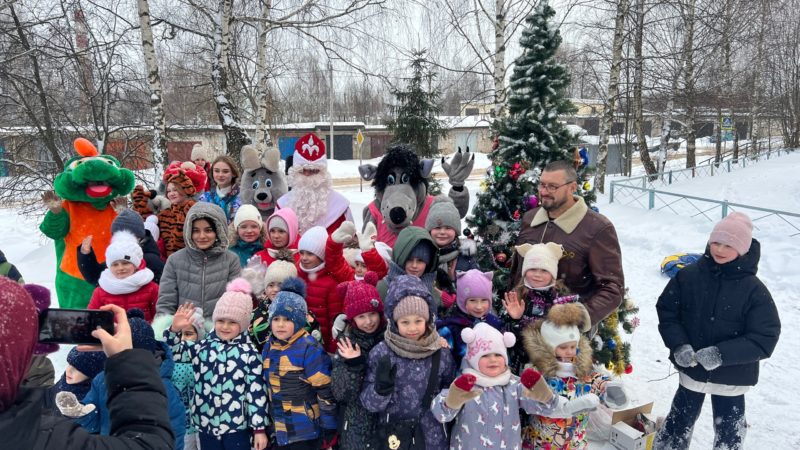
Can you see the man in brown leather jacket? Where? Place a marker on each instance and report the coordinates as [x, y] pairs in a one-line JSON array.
[[592, 263]]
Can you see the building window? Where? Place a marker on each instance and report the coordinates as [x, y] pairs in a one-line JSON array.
[[472, 111]]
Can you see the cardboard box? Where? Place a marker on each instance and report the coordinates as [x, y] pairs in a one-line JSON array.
[[624, 436]]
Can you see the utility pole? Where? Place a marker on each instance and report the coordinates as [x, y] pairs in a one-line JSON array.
[[330, 107]]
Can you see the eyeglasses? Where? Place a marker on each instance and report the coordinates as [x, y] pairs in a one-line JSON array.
[[553, 187]]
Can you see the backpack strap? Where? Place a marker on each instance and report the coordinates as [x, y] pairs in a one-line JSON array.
[[433, 381]]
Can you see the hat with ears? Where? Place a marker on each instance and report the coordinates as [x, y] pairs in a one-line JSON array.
[[124, 247], [484, 339], [235, 304], [245, 213], [564, 324], [473, 284], [540, 256], [309, 149], [735, 230]]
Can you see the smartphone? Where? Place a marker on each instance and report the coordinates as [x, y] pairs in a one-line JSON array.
[[73, 326]]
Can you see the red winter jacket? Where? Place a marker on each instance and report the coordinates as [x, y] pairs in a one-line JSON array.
[[144, 299], [324, 301], [267, 259], [339, 268]]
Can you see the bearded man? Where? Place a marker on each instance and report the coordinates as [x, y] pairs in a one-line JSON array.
[[591, 265], [312, 196]]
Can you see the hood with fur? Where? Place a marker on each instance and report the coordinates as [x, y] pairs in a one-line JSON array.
[[543, 357]]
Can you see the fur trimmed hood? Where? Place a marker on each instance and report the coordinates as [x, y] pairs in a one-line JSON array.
[[543, 357]]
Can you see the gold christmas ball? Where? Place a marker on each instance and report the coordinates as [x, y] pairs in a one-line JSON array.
[[586, 186]]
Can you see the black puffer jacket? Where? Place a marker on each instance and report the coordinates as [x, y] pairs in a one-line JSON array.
[[91, 269], [723, 305], [136, 399], [357, 426]]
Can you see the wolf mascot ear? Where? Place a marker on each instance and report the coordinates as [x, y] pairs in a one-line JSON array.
[[262, 183]]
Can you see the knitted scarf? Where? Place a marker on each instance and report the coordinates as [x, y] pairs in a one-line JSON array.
[[484, 381], [411, 349], [115, 286]]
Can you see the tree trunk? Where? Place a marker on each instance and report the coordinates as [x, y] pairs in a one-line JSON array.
[[263, 137], [613, 90], [499, 74], [235, 135], [688, 74], [718, 136], [638, 80], [666, 125], [159, 146]]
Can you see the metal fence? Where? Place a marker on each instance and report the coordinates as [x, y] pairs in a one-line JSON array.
[[642, 192]]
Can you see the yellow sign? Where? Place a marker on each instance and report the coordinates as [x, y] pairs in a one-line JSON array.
[[359, 138]]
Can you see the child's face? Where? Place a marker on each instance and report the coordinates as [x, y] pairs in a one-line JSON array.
[[74, 376], [309, 260], [723, 253], [201, 162], [361, 269], [278, 237], [189, 334], [175, 195], [222, 174], [227, 329], [248, 231], [272, 289], [203, 234], [122, 269], [368, 322], [415, 267], [412, 327], [443, 236], [492, 365], [477, 307], [282, 328], [538, 278], [566, 352]]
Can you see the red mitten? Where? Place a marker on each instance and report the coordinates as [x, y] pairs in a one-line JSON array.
[[447, 299], [529, 377], [466, 382]]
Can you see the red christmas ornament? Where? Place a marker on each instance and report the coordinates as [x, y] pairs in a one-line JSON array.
[[516, 215], [500, 257], [495, 143], [516, 171], [628, 369]]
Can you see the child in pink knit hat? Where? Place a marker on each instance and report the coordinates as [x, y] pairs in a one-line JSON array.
[[718, 321], [230, 407]]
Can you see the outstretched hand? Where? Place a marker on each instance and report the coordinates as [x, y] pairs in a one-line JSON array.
[[86, 245], [51, 200], [347, 349], [183, 317], [459, 168], [514, 305]]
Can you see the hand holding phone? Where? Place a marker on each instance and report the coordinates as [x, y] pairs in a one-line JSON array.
[[120, 341], [73, 326]]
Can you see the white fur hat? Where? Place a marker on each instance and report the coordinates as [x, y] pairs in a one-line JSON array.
[[245, 213], [564, 324], [124, 247], [541, 256], [484, 339]]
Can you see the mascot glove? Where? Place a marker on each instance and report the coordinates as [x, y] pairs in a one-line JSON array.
[[536, 387], [366, 241], [459, 168], [461, 391], [710, 357], [141, 198], [69, 405], [571, 408], [338, 326], [616, 398], [160, 203], [51, 200], [344, 233], [685, 356]]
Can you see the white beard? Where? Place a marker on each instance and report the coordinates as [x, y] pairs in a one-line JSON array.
[[309, 196]]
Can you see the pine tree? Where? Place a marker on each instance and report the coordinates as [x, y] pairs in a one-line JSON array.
[[416, 121]]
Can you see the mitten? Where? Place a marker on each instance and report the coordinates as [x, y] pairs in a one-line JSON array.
[[151, 225], [616, 397], [344, 233], [384, 376], [710, 357], [366, 241], [461, 391], [69, 405], [160, 203], [141, 198], [584, 403], [536, 387], [459, 168], [338, 325], [685, 356]]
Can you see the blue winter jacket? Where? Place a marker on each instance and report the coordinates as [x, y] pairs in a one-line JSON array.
[[230, 203], [99, 420]]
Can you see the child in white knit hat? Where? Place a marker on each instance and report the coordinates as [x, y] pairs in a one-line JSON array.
[[247, 233], [536, 293], [126, 282], [230, 407]]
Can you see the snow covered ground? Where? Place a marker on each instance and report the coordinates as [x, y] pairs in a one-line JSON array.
[[646, 238]]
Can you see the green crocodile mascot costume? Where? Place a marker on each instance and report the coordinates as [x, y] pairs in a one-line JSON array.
[[81, 207]]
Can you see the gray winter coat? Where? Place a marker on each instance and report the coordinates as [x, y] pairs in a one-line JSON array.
[[198, 276], [491, 420]]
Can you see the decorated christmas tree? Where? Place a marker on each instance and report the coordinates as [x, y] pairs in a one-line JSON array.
[[526, 141]]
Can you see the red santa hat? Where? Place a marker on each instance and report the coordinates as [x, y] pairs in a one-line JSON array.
[[309, 149]]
